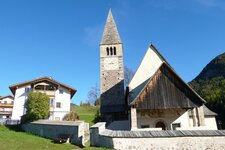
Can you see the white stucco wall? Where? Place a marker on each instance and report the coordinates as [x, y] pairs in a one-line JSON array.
[[64, 99], [19, 101], [135, 140], [149, 65], [185, 121], [168, 119], [210, 124], [58, 113], [179, 143]]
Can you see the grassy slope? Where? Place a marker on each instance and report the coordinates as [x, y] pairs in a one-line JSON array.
[[85, 113], [12, 140]]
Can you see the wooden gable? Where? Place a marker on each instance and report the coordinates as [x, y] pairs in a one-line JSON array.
[[166, 90]]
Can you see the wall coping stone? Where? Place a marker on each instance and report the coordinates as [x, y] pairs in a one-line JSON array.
[[51, 122]]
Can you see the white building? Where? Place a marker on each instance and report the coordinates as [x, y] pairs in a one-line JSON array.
[[160, 99], [6, 106], [156, 98], [60, 96]]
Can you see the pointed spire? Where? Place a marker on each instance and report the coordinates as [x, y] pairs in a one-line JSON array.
[[110, 34]]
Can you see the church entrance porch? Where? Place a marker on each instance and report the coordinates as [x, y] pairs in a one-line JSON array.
[[160, 119], [161, 125]]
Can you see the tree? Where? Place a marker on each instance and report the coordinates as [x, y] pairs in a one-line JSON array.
[[37, 106], [93, 93], [128, 75], [81, 103], [71, 116], [97, 102], [88, 104], [97, 117]]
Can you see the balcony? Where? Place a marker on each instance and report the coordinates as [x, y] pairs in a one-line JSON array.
[[47, 89], [6, 112], [49, 93], [7, 105]]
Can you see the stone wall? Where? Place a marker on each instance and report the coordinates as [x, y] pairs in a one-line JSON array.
[[77, 130], [168, 140]]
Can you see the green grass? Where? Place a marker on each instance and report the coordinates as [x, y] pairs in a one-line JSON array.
[[85, 113], [10, 139], [16, 140]]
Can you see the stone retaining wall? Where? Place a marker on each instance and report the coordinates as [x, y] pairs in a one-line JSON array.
[[150, 140], [51, 129]]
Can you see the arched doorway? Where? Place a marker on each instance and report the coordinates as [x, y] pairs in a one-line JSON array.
[[160, 124]]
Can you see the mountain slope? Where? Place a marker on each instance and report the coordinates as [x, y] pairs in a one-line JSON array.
[[210, 84]]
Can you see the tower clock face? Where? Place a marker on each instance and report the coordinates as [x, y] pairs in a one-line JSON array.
[[111, 63]]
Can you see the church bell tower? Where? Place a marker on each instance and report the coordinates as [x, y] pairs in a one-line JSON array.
[[111, 71]]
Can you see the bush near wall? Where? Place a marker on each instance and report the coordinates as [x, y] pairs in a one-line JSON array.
[[37, 106]]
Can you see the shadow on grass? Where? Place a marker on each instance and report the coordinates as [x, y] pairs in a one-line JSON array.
[[16, 128]]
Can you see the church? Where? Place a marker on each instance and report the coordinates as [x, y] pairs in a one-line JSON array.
[[156, 98]]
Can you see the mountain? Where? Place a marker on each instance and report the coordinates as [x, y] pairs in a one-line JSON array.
[[210, 85]]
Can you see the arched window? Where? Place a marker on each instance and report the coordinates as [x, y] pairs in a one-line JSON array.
[[160, 124], [114, 50], [111, 51], [107, 49]]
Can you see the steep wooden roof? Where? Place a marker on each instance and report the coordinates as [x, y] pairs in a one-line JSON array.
[[165, 89], [41, 79]]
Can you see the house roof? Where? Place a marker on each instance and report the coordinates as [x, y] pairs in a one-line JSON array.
[[110, 34], [41, 79], [206, 111], [7, 96], [135, 93]]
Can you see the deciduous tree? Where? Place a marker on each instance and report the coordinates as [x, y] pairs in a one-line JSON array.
[[37, 106]]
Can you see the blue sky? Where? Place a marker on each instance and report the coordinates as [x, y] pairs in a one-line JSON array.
[[60, 38]]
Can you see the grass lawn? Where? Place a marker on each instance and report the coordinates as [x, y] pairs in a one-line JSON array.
[[86, 113], [16, 140]]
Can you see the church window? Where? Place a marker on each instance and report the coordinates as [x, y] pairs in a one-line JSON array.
[[175, 125], [111, 51], [107, 50], [114, 50]]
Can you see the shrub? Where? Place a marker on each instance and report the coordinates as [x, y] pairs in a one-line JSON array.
[[97, 117], [37, 106], [71, 116]]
